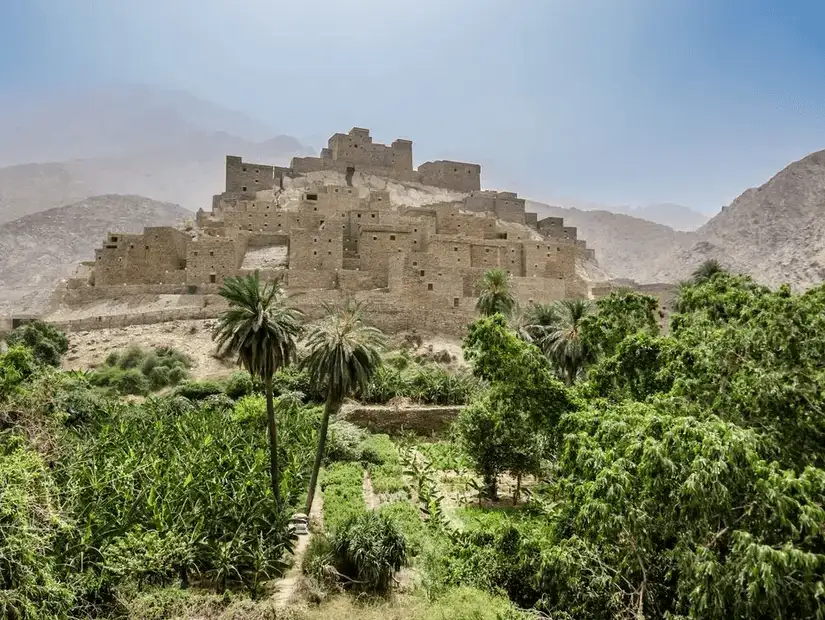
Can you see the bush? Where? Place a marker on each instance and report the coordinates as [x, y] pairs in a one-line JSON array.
[[198, 390], [385, 466], [319, 562], [369, 549], [30, 523], [428, 384], [131, 381], [472, 604], [343, 488], [344, 442], [240, 384], [408, 519], [47, 343], [16, 365], [160, 367]]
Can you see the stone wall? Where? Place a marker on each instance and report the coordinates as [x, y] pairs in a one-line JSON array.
[[423, 420], [248, 178], [453, 175]]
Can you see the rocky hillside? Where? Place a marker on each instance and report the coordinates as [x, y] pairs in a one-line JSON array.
[[38, 250], [626, 247], [775, 232]]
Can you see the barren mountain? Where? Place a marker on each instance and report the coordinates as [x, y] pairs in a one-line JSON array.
[[626, 247], [38, 250], [775, 232], [166, 145]]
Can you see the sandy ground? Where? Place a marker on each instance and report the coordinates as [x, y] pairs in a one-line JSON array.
[[194, 338]]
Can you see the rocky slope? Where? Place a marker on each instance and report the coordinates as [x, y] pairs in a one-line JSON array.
[[775, 232], [38, 250], [626, 247]]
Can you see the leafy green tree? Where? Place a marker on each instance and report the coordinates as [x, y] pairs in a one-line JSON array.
[[524, 400], [620, 314], [46, 342], [496, 293], [261, 330], [564, 343], [344, 354]]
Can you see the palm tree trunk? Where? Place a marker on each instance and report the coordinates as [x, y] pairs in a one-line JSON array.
[[332, 405], [272, 425]]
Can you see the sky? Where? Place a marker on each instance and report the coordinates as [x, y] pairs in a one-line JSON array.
[[622, 102]]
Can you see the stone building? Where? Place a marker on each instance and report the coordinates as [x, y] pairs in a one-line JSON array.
[[328, 235]]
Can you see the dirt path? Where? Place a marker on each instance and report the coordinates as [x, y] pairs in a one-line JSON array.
[[370, 498], [289, 583]]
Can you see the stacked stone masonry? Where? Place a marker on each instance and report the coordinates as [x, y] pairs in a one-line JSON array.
[[416, 267]]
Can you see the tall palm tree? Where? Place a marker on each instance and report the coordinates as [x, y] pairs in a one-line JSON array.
[[496, 293], [261, 330], [563, 342], [707, 270], [344, 353]]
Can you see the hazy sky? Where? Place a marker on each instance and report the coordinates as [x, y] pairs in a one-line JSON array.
[[613, 101]]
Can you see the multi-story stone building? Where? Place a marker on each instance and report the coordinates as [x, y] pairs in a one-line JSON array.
[[329, 231]]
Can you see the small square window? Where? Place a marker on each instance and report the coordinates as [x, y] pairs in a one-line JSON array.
[[430, 286], [421, 273], [315, 253], [211, 254], [212, 278], [243, 189], [372, 215], [392, 237], [244, 168], [415, 263], [455, 302]]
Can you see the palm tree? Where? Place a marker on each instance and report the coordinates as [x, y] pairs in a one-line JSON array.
[[496, 293], [261, 330], [536, 321], [707, 270], [344, 353], [563, 342]]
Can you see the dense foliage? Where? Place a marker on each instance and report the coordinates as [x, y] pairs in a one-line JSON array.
[[137, 371], [685, 478]]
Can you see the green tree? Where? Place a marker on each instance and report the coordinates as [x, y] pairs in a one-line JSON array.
[[344, 354], [496, 293], [564, 344], [523, 402], [261, 330], [620, 314]]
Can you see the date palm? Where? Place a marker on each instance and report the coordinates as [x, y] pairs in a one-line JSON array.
[[707, 270], [563, 343], [261, 330], [496, 293], [344, 354], [536, 321]]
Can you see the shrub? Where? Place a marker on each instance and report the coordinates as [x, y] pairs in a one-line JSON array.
[[369, 549], [465, 603], [161, 367], [319, 561], [408, 519], [344, 442], [198, 390], [30, 522], [385, 469], [131, 381], [240, 384], [16, 365], [47, 343], [342, 485]]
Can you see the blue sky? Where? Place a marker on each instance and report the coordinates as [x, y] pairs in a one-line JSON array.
[[610, 101]]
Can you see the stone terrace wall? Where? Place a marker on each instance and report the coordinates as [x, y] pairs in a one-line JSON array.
[[421, 419]]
